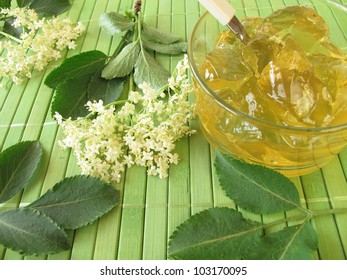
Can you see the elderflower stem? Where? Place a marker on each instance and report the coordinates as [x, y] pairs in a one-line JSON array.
[[121, 44], [138, 28], [119, 102], [163, 88], [139, 31], [8, 36], [131, 82], [137, 9]]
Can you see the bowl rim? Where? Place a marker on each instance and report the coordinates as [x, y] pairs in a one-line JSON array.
[[195, 71]]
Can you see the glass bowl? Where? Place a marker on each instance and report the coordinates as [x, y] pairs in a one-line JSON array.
[[291, 150]]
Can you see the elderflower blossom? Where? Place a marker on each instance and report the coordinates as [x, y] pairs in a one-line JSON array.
[[142, 132], [40, 43]]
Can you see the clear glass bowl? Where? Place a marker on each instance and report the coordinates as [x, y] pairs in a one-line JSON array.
[[293, 151]]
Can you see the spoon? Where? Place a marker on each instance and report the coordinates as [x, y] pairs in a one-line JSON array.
[[225, 14]]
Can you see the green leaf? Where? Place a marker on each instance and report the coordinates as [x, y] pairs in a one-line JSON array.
[[175, 48], [5, 3], [217, 233], [10, 29], [71, 97], [22, 3], [78, 80], [292, 243], [148, 70], [49, 7], [75, 67], [106, 90], [123, 63], [17, 166], [30, 232], [77, 201], [115, 23], [255, 188], [159, 36]]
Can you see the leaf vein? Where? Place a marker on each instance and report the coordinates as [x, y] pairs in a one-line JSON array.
[[16, 171], [220, 239], [286, 248], [264, 189], [67, 202]]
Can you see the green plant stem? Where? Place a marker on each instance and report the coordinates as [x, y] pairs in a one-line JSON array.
[[136, 37], [285, 220], [163, 88], [115, 103], [121, 44], [317, 213], [310, 215], [139, 31], [8, 36], [131, 82], [302, 209]]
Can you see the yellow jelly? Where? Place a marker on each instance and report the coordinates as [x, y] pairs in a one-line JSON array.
[[290, 73]]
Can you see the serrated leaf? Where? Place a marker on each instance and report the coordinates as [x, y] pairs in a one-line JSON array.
[[17, 166], [77, 201], [30, 232], [71, 97], [159, 36], [49, 7], [123, 63], [5, 3], [292, 243], [217, 233], [175, 48], [148, 70], [106, 90], [83, 64], [255, 188], [115, 23], [10, 29]]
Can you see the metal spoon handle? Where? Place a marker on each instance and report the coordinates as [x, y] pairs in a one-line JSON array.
[[225, 14]]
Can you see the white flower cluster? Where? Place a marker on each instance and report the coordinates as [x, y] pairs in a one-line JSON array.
[[142, 132], [42, 41]]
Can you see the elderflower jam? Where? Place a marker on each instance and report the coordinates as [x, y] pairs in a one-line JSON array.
[[281, 99]]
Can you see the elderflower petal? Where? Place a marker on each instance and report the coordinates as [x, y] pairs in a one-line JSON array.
[[134, 96], [45, 38], [142, 132]]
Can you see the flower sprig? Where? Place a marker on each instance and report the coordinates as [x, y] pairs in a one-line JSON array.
[[40, 41], [132, 56], [142, 131], [95, 75]]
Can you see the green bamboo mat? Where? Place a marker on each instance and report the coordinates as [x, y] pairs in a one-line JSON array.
[[151, 208]]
